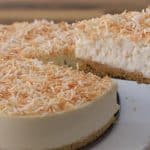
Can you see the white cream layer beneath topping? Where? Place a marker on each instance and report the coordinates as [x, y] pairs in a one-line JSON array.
[[118, 52]]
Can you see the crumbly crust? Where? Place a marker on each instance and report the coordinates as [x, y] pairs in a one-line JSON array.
[[120, 40], [90, 138], [103, 69]]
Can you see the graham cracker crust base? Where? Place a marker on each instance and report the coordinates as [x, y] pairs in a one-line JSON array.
[[87, 140], [103, 70]]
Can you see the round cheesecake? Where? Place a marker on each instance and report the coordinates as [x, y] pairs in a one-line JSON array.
[[45, 106]]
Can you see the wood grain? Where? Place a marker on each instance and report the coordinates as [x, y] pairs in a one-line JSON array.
[[10, 15], [67, 10]]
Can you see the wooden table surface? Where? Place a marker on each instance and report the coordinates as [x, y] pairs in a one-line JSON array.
[[67, 10]]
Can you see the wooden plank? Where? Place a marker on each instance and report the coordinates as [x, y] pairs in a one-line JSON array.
[[10, 15], [106, 4]]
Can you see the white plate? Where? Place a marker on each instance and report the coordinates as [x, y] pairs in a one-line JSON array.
[[132, 131]]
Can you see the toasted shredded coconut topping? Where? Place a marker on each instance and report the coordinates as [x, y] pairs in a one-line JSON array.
[[30, 87], [135, 25], [43, 38], [120, 41], [36, 39]]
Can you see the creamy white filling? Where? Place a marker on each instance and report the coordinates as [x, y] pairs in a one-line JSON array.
[[38, 133], [118, 52]]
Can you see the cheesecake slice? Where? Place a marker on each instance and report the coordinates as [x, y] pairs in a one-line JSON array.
[[117, 45], [45, 106]]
